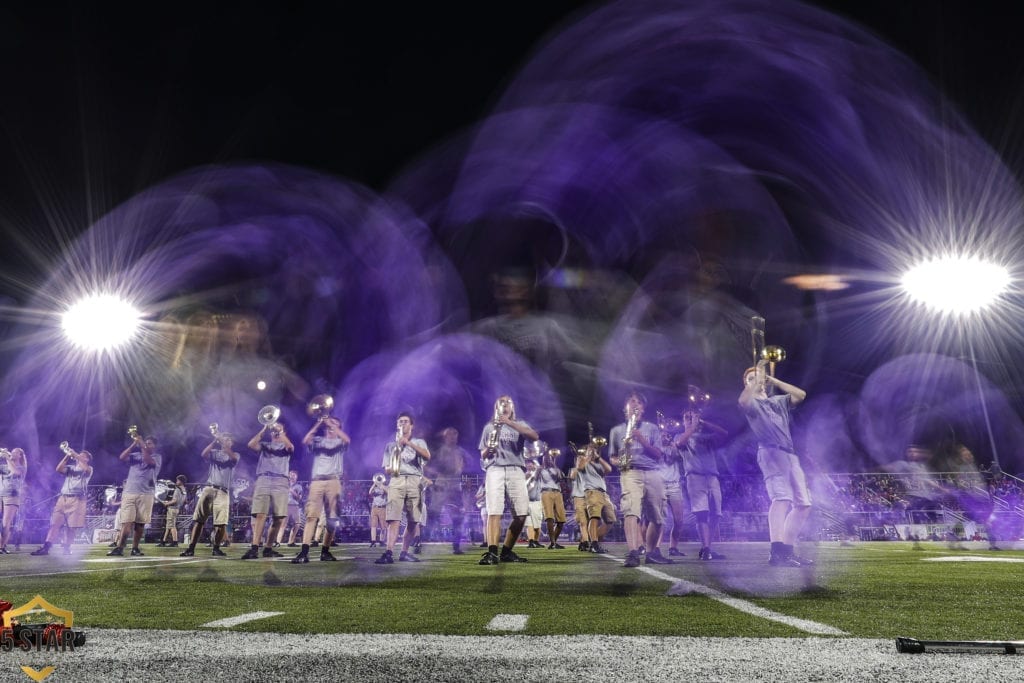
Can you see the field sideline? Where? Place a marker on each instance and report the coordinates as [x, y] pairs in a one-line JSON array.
[[857, 597]]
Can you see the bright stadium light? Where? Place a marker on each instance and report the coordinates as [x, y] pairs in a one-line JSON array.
[[100, 322], [956, 285]]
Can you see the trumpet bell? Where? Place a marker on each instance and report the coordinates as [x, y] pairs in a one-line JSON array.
[[133, 431], [320, 405], [773, 354], [599, 442], [378, 479], [268, 415]]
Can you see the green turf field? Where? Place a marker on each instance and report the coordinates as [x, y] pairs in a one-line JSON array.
[[876, 590]]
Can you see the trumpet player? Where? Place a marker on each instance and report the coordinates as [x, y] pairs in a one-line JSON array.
[[215, 498], [599, 512], [139, 490], [13, 469], [696, 444], [501, 453], [328, 442], [550, 479], [404, 458], [579, 504], [270, 495], [69, 510], [178, 496], [378, 495], [634, 447], [769, 419]]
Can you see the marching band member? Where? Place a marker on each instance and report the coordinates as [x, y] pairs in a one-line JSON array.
[[69, 510], [634, 449], [768, 417], [550, 478], [13, 469], [591, 470], [700, 466], [579, 504], [378, 495], [172, 506], [404, 459], [139, 491], [501, 453], [215, 499], [270, 495], [296, 520], [674, 498], [535, 517], [325, 486], [446, 466]]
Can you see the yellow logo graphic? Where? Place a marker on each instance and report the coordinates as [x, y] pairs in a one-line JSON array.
[[38, 675], [33, 607]]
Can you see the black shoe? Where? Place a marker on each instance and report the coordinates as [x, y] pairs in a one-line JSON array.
[[632, 559], [301, 558], [4, 551], [161, 544], [655, 557], [40, 551], [270, 552], [293, 545], [112, 545], [116, 552], [136, 553], [708, 554], [325, 556], [217, 552], [172, 544], [408, 557], [534, 544], [555, 546], [386, 558], [641, 551], [596, 548], [489, 558], [314, 544], [583, 547], [508, 555], [188, 552], [483, 545], [373, 544], [251, 554], [783, 560], [417, 549], [277, 545], [675, 552]]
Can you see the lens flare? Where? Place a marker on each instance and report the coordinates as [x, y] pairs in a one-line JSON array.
[[100, 322], [956, 285]]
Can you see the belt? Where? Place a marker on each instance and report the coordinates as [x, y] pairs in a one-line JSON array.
[[327, 477], [219, 488], [271, 474], [73, 495]]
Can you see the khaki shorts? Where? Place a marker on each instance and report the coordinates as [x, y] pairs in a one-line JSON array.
[[643, 495], [8, 509], [506, 480], [212, 501], [378, 517], [783, 476], [554, 505], [580, 513], [136, 508], [69, 510], [172, 516], [296, 516], [404, 496], [705, 493], [270, 496], [598, 504], [323, 494]]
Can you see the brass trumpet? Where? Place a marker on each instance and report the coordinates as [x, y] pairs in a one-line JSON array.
[[215, 430], [133, 432], [268, 415], [378, 479], [66, 449], [320, 406]]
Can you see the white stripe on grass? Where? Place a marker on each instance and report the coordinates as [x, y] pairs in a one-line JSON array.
[[684, 587], [240, 619], [971, 558], [122, 565], [508, 622]]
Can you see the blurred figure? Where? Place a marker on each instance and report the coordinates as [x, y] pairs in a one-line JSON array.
[[552, 502], [535, 517], [13, 470], [769, 419], [674, 497], [598, 509], [922, 492], [178, 496], [697, 444], [446, 467], [378, 495], [69, 510], [579, 506], [296, 520]]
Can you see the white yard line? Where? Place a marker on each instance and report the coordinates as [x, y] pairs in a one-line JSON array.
[[120, 565], [971, 558], [240, 619], [508, 622], [684, 587]]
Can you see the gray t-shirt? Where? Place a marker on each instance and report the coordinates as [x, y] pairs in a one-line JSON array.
[[141, 475], [76, 480], [593, 478], [328, 456], [578, 491], [548, 478], [769, 420], [699, 455], [275, 459], [411, 461], [10, 483], [641, 460], [510, 445], [222, 470]]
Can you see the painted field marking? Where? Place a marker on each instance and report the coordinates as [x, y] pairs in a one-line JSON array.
[[240, 619], [971, 558], [121, 565], [684, 587], [118, 558], [508, 622]]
